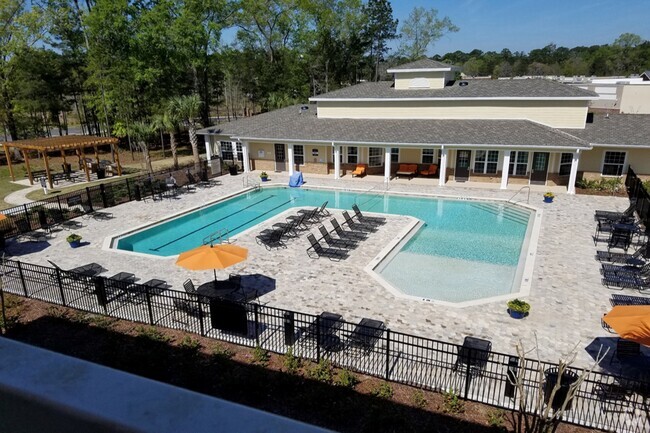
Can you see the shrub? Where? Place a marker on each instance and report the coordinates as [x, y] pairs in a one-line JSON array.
[[418, 399], [519, 306], [73, 238], [452, 403], [151, 333], [347, 379], [222, 351], [383, 390], [261, 356], [291, 363], [191, 345], [323, 371], [496, 418]]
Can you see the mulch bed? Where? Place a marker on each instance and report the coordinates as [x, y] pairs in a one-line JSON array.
[[249, 376], [583, 191]]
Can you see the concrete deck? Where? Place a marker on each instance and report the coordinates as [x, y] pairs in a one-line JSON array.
[[566, 295]]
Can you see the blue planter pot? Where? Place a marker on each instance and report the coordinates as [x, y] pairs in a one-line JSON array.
[[548, 199], [516, 314], [75, 244], [264, 179]]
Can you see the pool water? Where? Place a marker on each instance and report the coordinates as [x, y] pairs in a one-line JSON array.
[[465, 250]]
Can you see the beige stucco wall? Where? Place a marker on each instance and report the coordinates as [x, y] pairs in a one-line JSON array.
[[635, 99], [557, 114], [411, 80], [591, 161]]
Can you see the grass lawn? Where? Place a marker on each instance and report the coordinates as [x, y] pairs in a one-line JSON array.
[[7, 187]]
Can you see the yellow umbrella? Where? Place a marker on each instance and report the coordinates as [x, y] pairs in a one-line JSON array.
[[3, 217], [631, 322], [212, 257]]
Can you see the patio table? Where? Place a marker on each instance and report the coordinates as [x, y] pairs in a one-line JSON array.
[[220, 289]]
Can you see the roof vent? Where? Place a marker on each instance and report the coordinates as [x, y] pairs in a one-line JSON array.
[[304, 108], [463, 83]]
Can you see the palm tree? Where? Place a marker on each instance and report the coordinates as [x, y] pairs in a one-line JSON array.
[[165, 123], [186, 109], [143, 132]]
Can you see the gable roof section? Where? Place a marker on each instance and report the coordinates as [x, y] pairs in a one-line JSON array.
[[475, 89], [616, 130], [288, 125], [423, 65]]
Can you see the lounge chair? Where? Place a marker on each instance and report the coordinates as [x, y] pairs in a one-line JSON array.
[[188, 285], [289, 229], [473, 355], [615, 216], [367, 219], [80, 272], [620, 239], [625, 269], [322, 212], [308, 217], [431, 170], [628, 300], [360, 170], [621, 281], [323, 330], [92, 213], [354, 225], [187, 308], [272, 239], [347, 234], [366, 334], [408, 170], [335, 243], [316, 250], [606, 256]]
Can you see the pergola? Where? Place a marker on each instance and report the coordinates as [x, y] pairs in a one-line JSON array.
[[60, 144]]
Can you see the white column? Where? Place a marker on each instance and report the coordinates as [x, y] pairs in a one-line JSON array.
[[571, 188], [387, 165], [290, 157], [504, 169], [208, 147], [443, 166], [247, 161], [234, 151], [337, 161]]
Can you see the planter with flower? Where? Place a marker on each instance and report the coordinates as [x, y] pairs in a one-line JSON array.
[[518, 309], [264, 176], [74, 240], [548, 197]]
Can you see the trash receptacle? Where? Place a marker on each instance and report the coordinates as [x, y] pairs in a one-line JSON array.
[[568, 378], [232, 169], [101, 173], [289, 329]]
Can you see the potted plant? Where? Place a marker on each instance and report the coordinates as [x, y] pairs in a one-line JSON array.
[[518, 309], [264, 176], [548, 197], [74, 240]]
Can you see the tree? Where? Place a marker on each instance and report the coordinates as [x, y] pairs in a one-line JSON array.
[[143, 133], [421, 30], [473, 67], [186, 109], [628, 40], [166, 122], [379, 29]]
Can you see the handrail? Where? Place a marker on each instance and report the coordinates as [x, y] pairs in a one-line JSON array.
[[247, 182], [220, 234], [520, 190]]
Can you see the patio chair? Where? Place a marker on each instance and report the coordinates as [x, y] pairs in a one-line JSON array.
[[322, 212], [271, 239], [187, 308], [347, 234], [354, 225], [323, 332], [615, 216], [360, 170], [643, 271], [89, 212], [620, 281], [308, 217], [335, 243], [367, 219], [291, 225], [431, 170], [316, 250], [26, 232], [365, 335], [188, 285], [606, 256], [620, 239], [473, 355], [408, 170], [80, 273], [628, 300]]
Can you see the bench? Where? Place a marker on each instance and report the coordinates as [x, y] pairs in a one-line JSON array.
[[409, 170], [36, 174]]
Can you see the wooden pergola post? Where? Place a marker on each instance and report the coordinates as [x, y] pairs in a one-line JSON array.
[[117, 160], [96, 154], [47, 169], [11, 169], [82, 158], [29, 169]]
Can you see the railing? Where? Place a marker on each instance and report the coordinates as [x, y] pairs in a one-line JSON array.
[[639, 195], [517, 193], [247, 182], [220, 235], [394, 356], [40, 214]]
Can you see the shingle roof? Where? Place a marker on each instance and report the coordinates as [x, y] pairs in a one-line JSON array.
[[646, 74], [288, 124], [497, 89], [423, 64], [617, 129]]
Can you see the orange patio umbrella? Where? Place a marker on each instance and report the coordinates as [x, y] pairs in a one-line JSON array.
[[631, 322], [213, 257], [3, 217]]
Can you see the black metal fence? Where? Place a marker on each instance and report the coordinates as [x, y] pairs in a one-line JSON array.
[[639, 195], [602, 401], [40, 214]]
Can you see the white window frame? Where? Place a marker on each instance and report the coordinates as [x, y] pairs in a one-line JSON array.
[[378, 159], [485, 161], [394, 156], [354, 155], [240, 151], [226, 149], [565, 163], [432, 155], [621, 165], [298, 154], [514, 163]]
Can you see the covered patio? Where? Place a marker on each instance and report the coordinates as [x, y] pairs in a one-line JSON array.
[[45, 146]]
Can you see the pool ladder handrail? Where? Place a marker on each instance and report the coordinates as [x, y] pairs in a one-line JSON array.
[[520, 190], [221, 235], [248, 183], [384, 186]]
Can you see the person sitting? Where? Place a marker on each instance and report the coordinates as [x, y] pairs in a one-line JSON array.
[[171, 182]]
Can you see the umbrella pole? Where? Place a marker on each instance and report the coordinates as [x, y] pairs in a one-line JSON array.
[[215, 275]]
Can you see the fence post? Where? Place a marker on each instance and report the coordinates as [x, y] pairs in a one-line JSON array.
[[148, 296], [257, 323], [102, 194], [90, 200], [387, 354], [29, 222], [318, 338], [58, 200], [60, 282], [22, 278], [468, 375], [128, 188], [201, 326]]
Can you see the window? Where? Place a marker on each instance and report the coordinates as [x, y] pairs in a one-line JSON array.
[[226, 150], [352, 153], [486, 161], [613, 163], [299, 154], [374, 156], [240, 152], [565, 164], [428, 156], [518, 163], [394, 154]]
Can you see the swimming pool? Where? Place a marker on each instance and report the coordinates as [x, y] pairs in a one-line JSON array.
[[464, 250]]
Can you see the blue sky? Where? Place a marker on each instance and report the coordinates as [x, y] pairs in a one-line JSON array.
[[523, 25]]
